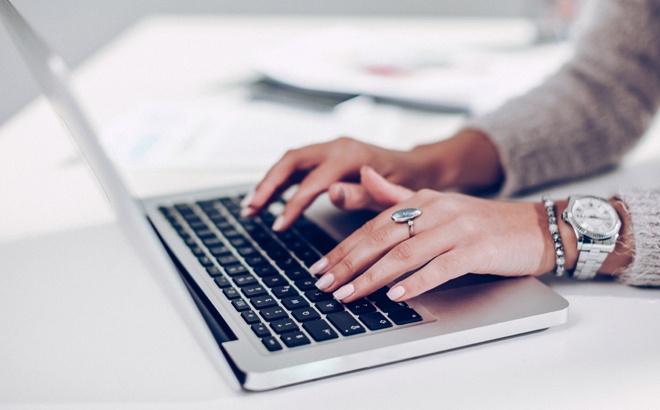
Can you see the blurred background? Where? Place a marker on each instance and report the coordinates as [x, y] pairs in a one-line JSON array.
[[77, 28]]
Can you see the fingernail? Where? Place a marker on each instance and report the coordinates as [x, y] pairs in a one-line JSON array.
[[396, 292], [344, 292], [245, 212], [339, 194], [326, 281], [248, 199], [279, 223], [318, 266]]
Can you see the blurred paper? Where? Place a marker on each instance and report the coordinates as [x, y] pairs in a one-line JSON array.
[[211, 134], [425, 71]]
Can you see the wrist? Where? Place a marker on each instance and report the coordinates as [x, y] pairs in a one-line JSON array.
[[616, 260], [468, 160]]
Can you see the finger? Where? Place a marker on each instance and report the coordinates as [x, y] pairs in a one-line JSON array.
[[381, 190], [282, 175], [316, 182], [350, 196], [442, 269], [366, 246], [405, 257]]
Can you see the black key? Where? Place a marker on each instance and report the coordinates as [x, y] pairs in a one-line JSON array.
[[197, 225], [294, 302], [213, 271], [244, 280], [276, 252], [236, 269], [387, 305], [316, 295], [305, 314], [271, 343], [227, 260], [219, 251], [231, 293], [320, 330], [345, 323], [305, 284], [222, 282], [265, 271], [239, 241], [284, 325], [330, 306], [260, 330], [263, 302], [205, 261], [360, 307], [205, 234], [375, 321], [246, 251], [273, 313], [287, 264], [230, 233], [284, 291], [255, 260], [250, 317], [240, 305], [212, 241], [315, 235], [274, 281], [294, 339], [197, 251], [404, 316], [297, 273], [253, 291]]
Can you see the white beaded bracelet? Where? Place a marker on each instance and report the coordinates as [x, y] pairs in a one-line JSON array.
[[549, 205]]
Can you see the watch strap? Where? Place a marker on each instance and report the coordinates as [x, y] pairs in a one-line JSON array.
[[591, 257]]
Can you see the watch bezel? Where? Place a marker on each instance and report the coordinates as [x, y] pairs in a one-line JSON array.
[[569, 217]]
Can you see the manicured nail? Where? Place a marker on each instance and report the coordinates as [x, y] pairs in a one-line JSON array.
[[248, 199], [245, 212], [318, 266], [326, 281], [279, 223], [344, 292], [396, 292]]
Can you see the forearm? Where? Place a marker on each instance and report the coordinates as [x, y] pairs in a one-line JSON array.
[[583, 119]]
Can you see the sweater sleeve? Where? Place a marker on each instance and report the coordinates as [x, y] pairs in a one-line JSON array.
[[644, 211], [584, 118]]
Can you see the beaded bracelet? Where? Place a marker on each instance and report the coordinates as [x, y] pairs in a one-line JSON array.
[[549, 205]]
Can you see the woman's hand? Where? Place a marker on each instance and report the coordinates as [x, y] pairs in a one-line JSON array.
[[468, 160], [455, 234], [318, 167]]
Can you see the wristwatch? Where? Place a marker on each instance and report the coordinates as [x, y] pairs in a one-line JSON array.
[[596, 224]]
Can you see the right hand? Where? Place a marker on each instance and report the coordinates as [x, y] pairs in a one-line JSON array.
[[335, 167]]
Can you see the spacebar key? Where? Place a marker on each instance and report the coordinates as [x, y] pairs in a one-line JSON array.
[[345, 323]]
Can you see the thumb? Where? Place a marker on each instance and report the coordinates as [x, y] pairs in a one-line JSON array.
[[381, 190]]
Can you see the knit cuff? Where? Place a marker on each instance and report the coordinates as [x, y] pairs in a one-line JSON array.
[[644, 211]]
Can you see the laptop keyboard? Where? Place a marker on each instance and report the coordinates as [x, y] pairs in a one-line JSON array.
[[264, 275]]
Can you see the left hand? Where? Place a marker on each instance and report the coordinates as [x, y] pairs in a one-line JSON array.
[[455, 234]]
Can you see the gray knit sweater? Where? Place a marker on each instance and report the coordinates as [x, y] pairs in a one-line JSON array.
[[584, 118]]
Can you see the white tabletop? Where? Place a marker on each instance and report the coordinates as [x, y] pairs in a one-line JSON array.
[[82, 324]]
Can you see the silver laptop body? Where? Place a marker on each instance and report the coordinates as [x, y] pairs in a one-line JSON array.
[[187, 238]]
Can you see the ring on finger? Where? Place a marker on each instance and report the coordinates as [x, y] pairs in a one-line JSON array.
[[407, 215]]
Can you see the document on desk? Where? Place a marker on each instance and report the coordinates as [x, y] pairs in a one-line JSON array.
[[474, 75], [250, 135]]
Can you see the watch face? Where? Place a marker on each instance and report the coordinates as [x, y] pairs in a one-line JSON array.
[[595, 217]]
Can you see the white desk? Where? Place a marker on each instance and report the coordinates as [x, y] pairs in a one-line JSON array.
[[97, 332]]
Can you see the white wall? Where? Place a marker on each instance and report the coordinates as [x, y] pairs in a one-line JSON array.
[[76, 28]]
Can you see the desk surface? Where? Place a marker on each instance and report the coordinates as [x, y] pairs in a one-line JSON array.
[[81, 327]]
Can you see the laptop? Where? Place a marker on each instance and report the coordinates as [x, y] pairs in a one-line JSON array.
[[245, 292]]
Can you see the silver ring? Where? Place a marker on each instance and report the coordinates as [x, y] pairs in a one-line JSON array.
[[407, 215]]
